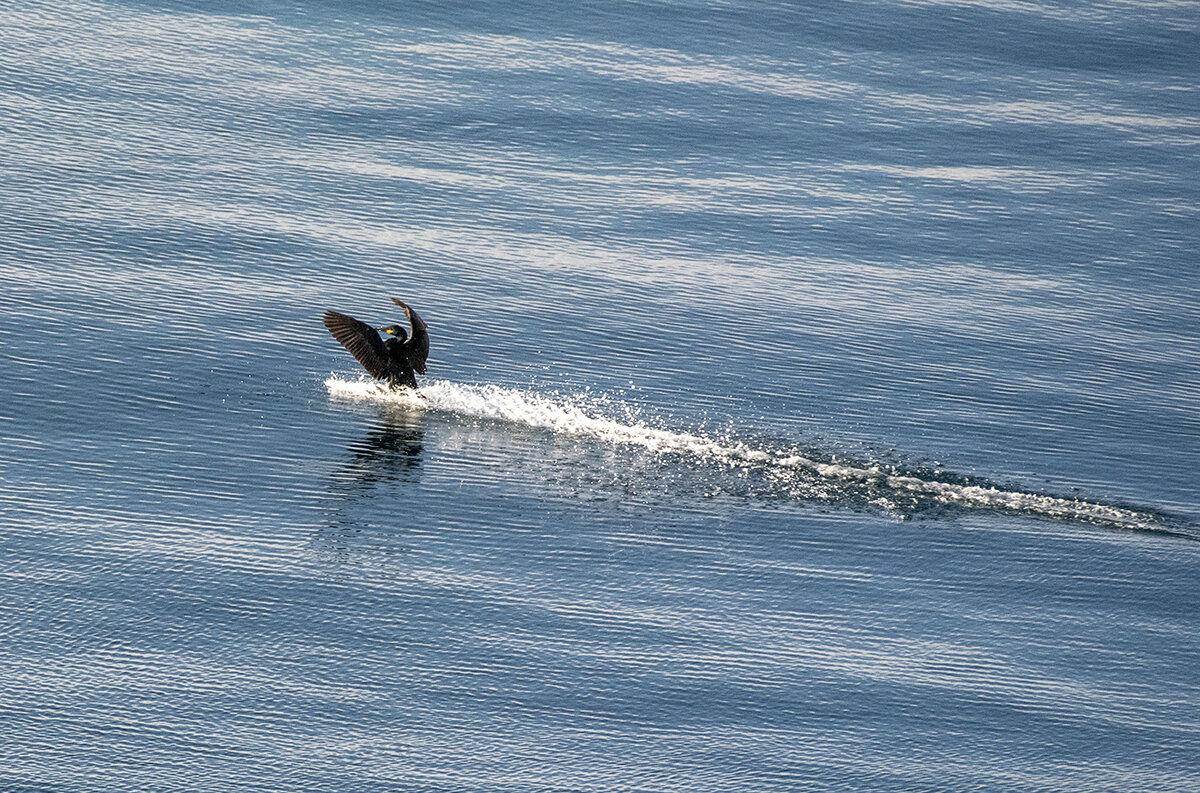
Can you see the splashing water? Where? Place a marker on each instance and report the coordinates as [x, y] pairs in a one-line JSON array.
[[902, 493]]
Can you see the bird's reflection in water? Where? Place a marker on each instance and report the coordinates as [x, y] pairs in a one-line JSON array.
[[377, 467], [390, 452]]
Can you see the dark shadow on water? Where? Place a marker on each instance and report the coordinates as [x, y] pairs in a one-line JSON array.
[[390, 452], [387, 458]]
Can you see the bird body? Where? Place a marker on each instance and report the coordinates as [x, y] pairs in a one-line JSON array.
[[398, 359]]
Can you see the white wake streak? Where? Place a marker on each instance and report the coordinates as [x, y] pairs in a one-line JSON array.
[[566, 416]]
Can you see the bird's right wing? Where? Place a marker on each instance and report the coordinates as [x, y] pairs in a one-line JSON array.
[[361, 340], [418, 342]]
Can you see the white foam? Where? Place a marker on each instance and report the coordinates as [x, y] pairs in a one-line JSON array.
[[565, 415], [583, 417]]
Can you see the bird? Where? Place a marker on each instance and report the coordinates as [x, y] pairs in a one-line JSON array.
[[398, 359]]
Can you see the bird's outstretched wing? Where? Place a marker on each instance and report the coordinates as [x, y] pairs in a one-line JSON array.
[[361, 340], [418, 341]]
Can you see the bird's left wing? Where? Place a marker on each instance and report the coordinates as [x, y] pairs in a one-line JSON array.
[[361, 340], [418, 342]]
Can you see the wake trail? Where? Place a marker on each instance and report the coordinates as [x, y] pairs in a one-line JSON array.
[[903, 493]]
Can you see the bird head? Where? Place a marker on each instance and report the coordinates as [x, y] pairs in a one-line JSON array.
[[395, 330]]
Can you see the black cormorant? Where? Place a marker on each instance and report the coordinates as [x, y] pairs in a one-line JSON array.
[[397, 359]]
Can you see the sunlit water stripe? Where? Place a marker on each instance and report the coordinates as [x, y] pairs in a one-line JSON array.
[[789, 474]]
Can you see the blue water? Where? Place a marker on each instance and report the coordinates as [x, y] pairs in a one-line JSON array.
[[812, 402]]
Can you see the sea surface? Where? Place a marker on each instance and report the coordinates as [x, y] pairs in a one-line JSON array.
[[812, 400]]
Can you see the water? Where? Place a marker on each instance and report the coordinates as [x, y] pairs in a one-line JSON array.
[[811, 405]]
